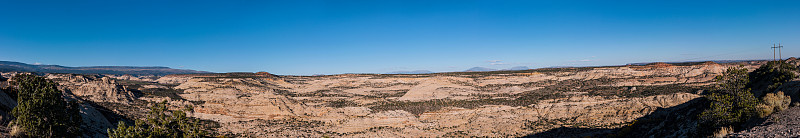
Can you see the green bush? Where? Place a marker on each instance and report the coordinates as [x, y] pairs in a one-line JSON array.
[[731, 103], [41, 109], [772, 75], [160, 122]]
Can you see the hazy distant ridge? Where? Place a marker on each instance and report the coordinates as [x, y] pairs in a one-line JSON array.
[[10, 66], [412, 72], [479, 69]]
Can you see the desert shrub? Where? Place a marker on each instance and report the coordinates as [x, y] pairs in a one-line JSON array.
[[777, 101], [773, 102], [160, 122], [42, 111], [730, 102], [721, 132], [764, 110]]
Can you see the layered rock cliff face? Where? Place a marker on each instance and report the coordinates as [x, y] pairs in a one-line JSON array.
[[93, 87], [144, 78], [460, 104]]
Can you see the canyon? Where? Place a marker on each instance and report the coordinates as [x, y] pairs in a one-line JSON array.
[[549, 102]]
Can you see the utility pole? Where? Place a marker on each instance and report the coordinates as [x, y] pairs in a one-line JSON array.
[[773, 51], [779, 51]]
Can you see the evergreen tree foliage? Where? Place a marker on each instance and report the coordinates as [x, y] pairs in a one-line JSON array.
[[731, 102], [772, 75], [41, 109], [160, 122]]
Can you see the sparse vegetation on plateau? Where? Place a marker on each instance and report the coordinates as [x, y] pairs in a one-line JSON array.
[[341, 103], [419, 107]]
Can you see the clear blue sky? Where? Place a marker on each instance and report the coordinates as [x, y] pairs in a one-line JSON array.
[[377, 36]]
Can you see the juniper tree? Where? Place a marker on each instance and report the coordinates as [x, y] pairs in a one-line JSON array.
[[731, 102], [41, 109], [160, 122], [771, 75]]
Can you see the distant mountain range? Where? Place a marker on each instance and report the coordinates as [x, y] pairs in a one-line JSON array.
[[10, 66], [477, 69], [412, 72], [519, 68]]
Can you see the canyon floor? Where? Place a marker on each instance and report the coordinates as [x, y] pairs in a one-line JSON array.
[[550, 102]]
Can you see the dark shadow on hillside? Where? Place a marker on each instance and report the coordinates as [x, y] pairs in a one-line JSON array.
[[791, 88], [568, 132], [676, 121]]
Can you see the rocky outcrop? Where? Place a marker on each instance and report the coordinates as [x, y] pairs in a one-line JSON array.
[[93, 88], [232, 100], [144, 78], [171, 79], [439, 88]]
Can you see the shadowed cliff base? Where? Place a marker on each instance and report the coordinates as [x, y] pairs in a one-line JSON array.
[[676, 121], [569, 132]]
